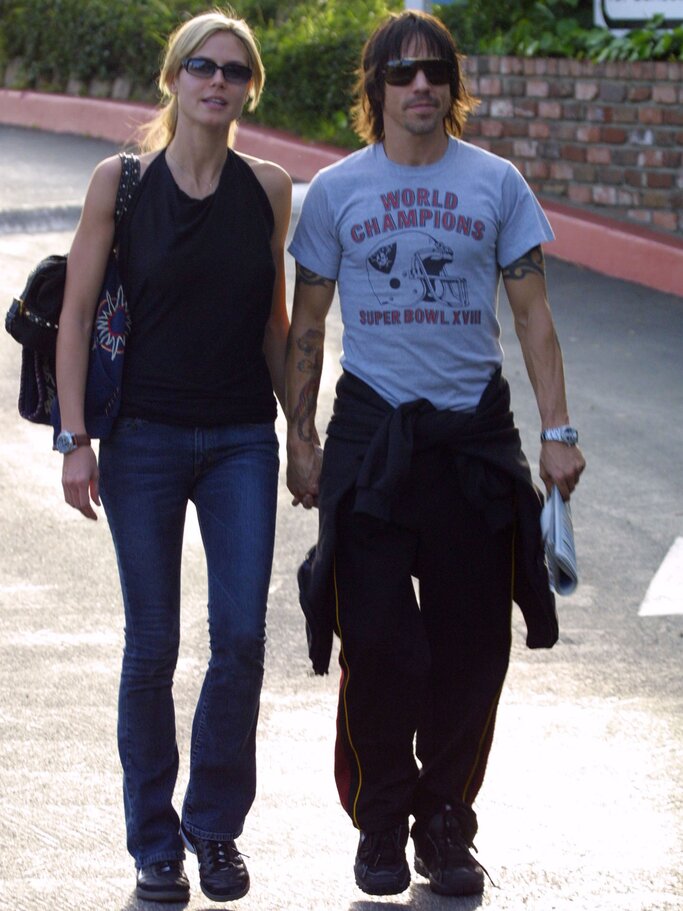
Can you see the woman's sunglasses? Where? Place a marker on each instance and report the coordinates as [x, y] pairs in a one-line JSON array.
[[204, 68], [402, 72]]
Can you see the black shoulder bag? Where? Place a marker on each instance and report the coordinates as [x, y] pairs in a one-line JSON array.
[[33, 321]]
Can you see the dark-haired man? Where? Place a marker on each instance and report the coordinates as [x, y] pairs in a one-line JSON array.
[[423, 474]]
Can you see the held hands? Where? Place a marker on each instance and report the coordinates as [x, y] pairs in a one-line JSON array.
[[561, 465], [80, 480], [304, 463]]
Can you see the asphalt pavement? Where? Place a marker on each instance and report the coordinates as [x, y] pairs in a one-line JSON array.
[[582, 807]]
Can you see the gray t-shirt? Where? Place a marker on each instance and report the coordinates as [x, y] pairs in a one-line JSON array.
[[417, 254]]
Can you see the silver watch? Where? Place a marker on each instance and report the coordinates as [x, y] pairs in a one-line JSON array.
[[564, 434], [66, 441]]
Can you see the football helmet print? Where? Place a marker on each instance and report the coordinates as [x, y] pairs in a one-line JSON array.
[[412, 268]]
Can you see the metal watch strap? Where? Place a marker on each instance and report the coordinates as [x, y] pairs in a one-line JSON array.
[[565, 433]]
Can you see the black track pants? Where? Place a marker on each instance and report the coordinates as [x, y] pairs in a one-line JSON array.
[[431, 671]]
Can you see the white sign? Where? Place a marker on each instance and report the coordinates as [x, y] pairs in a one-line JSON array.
[[626, 14]]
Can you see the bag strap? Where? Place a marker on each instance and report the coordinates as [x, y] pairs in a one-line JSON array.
[[128, 182]]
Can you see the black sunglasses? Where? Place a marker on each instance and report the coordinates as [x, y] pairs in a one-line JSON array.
[[205, 68], [402, 72]]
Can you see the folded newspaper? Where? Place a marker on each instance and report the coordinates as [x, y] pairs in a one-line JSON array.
[[558, 537]]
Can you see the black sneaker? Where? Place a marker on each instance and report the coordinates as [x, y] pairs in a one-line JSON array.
[[223, 875], [442, 855], [381, 867], [163, 882]]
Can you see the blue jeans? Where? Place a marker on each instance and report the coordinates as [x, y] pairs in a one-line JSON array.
[[148, 473]]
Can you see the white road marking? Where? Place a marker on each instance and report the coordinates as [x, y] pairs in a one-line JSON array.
[[665, 592]]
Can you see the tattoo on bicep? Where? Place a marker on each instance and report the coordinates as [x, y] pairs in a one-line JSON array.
[[530, 264], [310, 345], [308, 277]]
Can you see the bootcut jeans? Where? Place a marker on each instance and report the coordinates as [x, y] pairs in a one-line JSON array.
[[148, 474]]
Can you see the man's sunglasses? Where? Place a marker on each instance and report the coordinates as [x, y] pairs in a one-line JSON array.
[[205, 68], [402, 72]]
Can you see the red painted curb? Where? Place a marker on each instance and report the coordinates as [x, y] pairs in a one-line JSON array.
[[616, 249], [300, 158], [115, 121], [599, 243], [119, 121]]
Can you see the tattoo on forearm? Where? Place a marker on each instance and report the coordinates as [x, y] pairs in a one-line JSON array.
[[308, 277], [310, 344], [305, 409], [529, 264]]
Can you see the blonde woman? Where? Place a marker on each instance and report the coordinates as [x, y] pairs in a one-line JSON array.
[[201, 258]]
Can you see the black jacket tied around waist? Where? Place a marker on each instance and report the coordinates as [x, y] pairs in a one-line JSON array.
[[370, 448]]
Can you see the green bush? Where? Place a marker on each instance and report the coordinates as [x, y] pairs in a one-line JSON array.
[[311, 60], [553, 28], [490, 27], [63, 39], [310, 47], [653, 42]]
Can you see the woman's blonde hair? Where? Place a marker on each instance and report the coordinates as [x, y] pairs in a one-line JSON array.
[[182, 43]]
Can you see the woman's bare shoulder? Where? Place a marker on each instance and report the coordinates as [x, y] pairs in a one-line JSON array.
[[271, 176], [108, 171], [104, 183]]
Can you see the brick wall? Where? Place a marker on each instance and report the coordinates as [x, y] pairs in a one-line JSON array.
[[607, 137]]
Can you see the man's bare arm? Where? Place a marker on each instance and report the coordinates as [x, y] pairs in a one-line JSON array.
[[308, 358], [313, 296], [526, 289]]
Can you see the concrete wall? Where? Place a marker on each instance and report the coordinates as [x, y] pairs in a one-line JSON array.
[[608, 137]]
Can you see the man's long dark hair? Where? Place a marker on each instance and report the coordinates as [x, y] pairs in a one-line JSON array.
[[389, 42]]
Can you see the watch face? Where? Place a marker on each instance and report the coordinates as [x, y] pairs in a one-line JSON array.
[[65, 443]]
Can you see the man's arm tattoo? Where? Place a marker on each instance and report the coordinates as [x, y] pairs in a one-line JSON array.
[[529, 264], [310, 348], [308, 277], [310, 344]]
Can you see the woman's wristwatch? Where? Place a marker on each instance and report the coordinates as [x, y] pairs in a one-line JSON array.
[[66, 441], [564, 434]]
